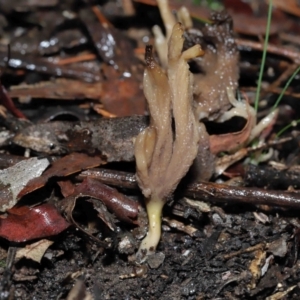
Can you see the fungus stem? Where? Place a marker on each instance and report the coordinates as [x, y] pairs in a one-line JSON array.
[[154, 206]]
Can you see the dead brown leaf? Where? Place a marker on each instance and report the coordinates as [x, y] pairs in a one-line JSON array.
[[69, 164], [34, 251]]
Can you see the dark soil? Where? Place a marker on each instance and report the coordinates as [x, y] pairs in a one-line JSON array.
[[193, 268], [220, 251]]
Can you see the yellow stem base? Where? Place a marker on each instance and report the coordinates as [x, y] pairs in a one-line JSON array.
[[149, 243]]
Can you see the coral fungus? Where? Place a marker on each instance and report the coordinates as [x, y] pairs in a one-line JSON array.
[[164, 156]]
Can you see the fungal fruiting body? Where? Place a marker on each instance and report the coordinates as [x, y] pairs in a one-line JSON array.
[[163, 155]]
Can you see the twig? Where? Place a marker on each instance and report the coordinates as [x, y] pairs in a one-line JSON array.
[[288, 53], [247, 250], [206, 191]]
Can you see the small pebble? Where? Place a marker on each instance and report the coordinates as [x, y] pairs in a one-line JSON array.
[[155, 260]]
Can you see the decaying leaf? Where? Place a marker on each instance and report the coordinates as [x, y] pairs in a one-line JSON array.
[[34, 251], [27, 223], [70, 164], [110, 137], [232, 141], [123, 97], [123, 207], [220, 67], [103, 214], [13, 179]]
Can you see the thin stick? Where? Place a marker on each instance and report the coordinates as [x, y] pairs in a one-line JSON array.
[[206, 191]]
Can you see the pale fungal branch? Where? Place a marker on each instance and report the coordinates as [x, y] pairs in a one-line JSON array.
[[161, 41], [169, 20], [163, 158], [167, 16]]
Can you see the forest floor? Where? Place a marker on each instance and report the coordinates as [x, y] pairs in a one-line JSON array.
[[72, 102]]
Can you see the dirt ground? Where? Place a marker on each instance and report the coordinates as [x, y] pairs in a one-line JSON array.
[[232, 233], [222, 260]]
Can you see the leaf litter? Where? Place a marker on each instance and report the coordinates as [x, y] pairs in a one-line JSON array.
[[244, 244]]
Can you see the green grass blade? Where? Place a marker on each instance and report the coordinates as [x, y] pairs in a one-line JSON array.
[[263, 61], [292, 124], [285, 87]]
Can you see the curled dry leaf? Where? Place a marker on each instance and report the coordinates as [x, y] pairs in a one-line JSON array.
[[124, 208], [13, 179], [232, 141], [27, 223]]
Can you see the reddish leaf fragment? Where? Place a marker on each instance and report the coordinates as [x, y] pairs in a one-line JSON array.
[[9, 104], [123, 97], [65, 166], [27, 223], [124, 208], [67, 188]]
